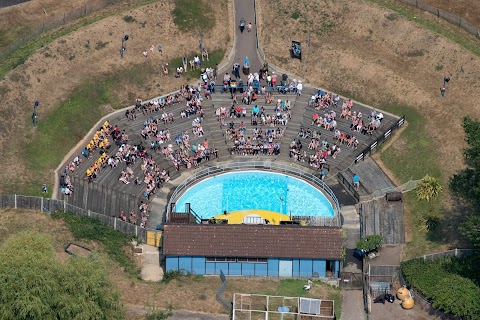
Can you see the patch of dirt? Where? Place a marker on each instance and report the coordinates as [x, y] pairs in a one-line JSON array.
[[53, 72], [466, 9]]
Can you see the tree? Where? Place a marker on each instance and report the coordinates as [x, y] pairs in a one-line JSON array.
[[35, 285], [471, 229], [466, 184], [370, 243], [428, 188]]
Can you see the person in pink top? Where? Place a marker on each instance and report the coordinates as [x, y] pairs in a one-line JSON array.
[[274, 79]]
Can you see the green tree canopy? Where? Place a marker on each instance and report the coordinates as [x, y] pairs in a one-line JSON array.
[[466, 183], [36, 285]]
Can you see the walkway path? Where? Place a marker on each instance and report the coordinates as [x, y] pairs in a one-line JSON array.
[[246, 42]]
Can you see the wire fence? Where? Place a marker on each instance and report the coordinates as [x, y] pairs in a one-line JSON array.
[[453, 19], [53, 21], [14, 201]]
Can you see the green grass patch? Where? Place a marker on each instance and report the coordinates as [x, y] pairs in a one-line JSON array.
[[193, 15], [402, 158], [23, 52], [410, 13], [294, 288], [215, 57], [114, 242], [67, 124], [439, 67], [295, 15]]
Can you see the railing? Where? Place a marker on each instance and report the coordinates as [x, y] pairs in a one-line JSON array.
[[48, 205], [454, 253], [368, 150], [470, 28], [259, 165], [347, 183]]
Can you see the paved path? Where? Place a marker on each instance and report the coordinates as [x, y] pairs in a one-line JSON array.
[[352, 305], [246, 42]]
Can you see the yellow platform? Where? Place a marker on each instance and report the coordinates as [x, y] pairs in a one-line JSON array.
[[246, 216]]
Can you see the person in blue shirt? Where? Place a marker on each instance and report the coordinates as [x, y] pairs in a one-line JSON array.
[[356, 182]]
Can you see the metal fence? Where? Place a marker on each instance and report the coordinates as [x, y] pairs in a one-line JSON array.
[[453, 19], [48, 205], [454, 253], [53, 21], [259, 165], [371, 148]]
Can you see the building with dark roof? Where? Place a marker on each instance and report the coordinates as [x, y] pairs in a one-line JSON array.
[[253, 250]]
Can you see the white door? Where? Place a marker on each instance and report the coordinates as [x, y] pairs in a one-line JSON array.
[[285, 268]]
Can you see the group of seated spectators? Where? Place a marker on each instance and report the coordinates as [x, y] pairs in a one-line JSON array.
[[188, 155], [100, 140]]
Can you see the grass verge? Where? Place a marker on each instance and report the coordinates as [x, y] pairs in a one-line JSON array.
[[402, 158], [191, 15], [465, 40], [114, 242]]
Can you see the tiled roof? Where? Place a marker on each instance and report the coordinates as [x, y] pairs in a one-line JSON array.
[[260, 241]]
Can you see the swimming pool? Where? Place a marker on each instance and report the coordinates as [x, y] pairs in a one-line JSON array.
[[255, 190]]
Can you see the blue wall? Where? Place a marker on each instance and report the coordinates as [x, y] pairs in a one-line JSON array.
[[304, 268]]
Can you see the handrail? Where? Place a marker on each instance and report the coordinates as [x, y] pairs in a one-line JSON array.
[[203, 173], [368, 150]]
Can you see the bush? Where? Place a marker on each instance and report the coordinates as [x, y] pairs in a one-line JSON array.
[[449, 283], [458, 296]]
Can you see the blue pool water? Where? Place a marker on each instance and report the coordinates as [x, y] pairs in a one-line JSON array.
[[255, 190]]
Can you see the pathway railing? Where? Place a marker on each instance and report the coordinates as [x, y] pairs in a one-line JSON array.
[[368, 150], [203, 173]]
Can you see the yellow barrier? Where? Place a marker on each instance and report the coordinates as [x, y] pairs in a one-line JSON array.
[[154, 238]]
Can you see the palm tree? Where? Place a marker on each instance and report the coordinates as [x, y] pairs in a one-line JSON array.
[[428, 188]]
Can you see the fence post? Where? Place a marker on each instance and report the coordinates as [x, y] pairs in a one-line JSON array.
[[64, 205], [456, 251], [114, 223], [424, 258], [85, 9], [64, 15], [136, 231], [41, 205], [15, 201], [88, 212]]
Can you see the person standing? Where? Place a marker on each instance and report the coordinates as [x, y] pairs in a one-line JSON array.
[[356, 182], [184, 62]]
